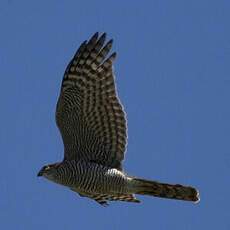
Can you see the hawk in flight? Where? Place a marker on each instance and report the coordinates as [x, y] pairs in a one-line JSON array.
[[92, 123]]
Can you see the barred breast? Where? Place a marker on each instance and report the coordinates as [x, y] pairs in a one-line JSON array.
[[90, 177]]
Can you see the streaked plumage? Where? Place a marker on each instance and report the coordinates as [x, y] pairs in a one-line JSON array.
[[92, 123]]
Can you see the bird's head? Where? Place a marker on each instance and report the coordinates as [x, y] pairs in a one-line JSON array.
[[48, 170]]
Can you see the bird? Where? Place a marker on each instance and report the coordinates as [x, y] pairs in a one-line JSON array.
[[93, 126]]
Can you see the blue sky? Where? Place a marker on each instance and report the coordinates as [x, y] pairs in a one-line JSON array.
[[173, 77]]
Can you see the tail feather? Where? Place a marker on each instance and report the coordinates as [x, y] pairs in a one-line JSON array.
[[177, 191]]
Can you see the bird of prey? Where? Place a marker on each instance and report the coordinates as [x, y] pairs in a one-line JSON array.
[[93, 127]]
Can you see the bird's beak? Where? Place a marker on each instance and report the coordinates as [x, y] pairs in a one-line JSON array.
[[40, 173]]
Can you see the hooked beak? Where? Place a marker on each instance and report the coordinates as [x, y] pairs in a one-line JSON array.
[[40, 173]]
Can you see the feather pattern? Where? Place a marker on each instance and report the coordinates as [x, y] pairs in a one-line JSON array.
[[89, 114]]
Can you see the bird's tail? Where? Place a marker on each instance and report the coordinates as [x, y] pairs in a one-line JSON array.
[[154, 188]]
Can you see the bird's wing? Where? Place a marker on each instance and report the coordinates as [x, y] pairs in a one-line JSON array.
[[89, 114]]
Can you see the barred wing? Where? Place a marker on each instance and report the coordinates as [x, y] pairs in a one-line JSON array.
[[89, 115]]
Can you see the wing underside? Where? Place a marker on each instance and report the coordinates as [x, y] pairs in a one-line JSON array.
[[89, 114], [103, 199]]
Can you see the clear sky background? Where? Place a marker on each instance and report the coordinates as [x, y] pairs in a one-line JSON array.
[[173, 77]]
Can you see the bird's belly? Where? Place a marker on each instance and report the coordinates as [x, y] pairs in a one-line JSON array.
[[99, 179]]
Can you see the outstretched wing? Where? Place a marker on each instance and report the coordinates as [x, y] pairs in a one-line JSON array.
[[89, 114]]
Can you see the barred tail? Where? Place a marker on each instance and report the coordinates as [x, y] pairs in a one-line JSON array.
[[177, 191]]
